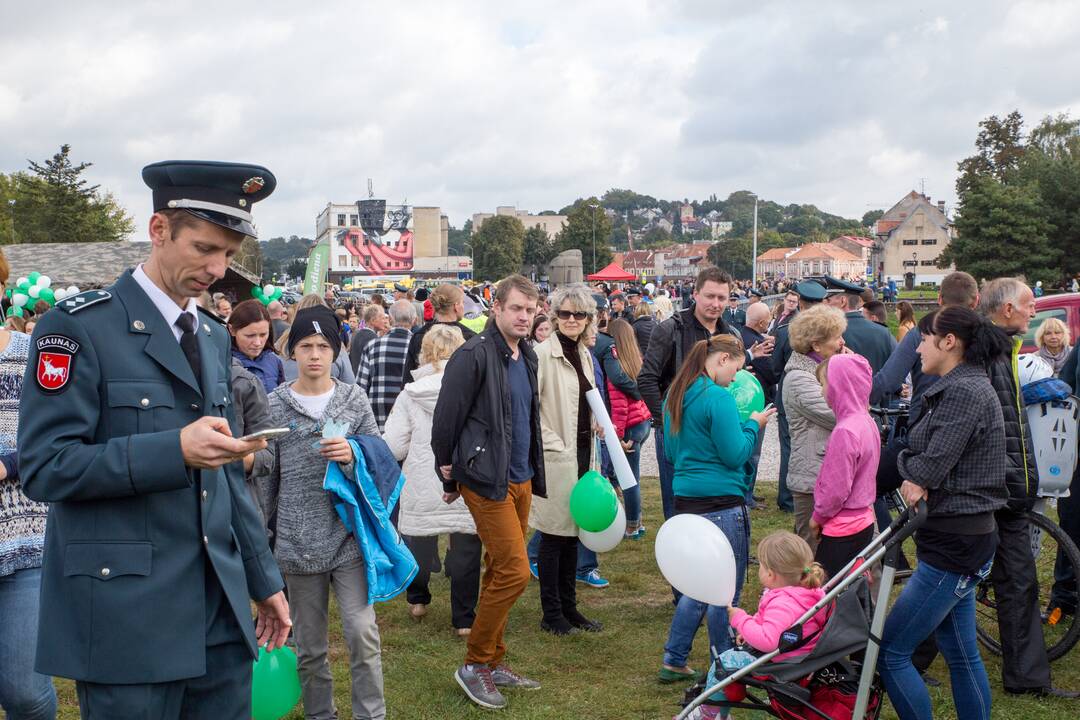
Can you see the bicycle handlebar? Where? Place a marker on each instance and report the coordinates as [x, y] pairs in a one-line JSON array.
[[889, 412]]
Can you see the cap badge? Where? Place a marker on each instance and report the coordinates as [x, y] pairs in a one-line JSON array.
[[253, 185]]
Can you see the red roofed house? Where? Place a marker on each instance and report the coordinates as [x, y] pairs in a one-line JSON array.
[[810, 259]]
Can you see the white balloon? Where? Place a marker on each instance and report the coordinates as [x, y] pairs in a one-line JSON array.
[[21, 280], [268, 290], [608, 538], [695, 556], [34, 291], [19, 299], [72, 290], [59, 294], [44, 281]]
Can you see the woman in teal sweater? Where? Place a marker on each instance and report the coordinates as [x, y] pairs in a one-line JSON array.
[[710, 449]]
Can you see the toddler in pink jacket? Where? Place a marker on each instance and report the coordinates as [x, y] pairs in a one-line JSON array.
[[846, 485]]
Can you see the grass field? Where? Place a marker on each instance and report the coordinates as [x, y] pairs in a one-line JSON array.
[[607, 676]]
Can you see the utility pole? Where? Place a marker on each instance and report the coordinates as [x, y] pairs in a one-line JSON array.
[[11, 208], [594, 206]]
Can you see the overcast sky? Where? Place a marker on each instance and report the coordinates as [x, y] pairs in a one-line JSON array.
[[469, 105]]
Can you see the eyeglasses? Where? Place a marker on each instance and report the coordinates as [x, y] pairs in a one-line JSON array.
[[567, 314]]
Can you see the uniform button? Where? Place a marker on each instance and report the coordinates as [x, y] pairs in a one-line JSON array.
[[205, 540], [145, 402], [205, 494], [194, 406], [105, 572]]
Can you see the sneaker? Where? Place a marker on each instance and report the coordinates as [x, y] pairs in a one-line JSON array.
[[636, 534], [593, 579], [534, 569], [507, 678], [479, 685]]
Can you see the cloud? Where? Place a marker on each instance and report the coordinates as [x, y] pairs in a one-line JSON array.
[[472, 105]]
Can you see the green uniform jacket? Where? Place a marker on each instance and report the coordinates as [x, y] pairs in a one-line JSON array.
[[865, 337], [123, 593]]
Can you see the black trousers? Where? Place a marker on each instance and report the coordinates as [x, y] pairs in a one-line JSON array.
[[1064, 593], [557, 561], [1023, 664], [835, 552], [463, 567]]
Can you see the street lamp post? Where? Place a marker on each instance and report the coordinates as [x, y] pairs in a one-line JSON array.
[[593, 206], [472, 263], [753, 258], [11, 209], [914, 269]]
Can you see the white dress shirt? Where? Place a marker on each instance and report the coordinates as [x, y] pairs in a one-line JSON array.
[[165, 305]]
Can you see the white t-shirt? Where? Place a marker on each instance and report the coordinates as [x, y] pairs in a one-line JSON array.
[[314, 405]]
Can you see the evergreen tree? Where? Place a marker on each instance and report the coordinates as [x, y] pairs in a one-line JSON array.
[[498, 248]]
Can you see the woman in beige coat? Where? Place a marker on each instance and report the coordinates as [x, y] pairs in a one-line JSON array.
[[564, 374], [815, 335]]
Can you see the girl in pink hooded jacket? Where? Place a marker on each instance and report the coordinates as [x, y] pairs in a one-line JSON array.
[[846, 485]]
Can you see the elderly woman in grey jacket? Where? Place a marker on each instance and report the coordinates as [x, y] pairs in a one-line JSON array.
[[815, 336]]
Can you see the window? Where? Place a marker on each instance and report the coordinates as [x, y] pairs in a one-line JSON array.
[[929, 241], [343, 260], [1041, 317], [353, 221], [341, 219], [910, 263], [911, 241], [928, 263]]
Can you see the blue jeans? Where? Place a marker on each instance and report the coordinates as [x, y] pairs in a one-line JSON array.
[[943, 603], [24, 694], [735, 522], [586, 558], [667, 475], [637, 434]]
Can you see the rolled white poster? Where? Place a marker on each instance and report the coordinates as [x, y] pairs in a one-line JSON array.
[[623, 473]]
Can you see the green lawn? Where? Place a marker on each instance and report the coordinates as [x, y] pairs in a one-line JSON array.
[[607, 676]]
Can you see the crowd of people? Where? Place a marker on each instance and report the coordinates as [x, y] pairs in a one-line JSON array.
[[131, 420]]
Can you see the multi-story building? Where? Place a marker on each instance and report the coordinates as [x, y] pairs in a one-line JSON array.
[[856, 245], [909, 238], [372, 238], [810, 259], [674, 262], [551, 224]]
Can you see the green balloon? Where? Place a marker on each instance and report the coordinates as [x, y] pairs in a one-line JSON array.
[[33, 277], [16, 311], [48, 295], [275, 684], [749, 397], [593, 502], [25, 287], [278, 292], [256, 292]]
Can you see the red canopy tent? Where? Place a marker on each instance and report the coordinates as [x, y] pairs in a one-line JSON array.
[[613, 273]]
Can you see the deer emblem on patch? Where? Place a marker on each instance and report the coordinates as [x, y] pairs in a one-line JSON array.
[[56, 358]]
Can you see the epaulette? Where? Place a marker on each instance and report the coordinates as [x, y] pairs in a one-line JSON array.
[[212, 315], [83, 300]]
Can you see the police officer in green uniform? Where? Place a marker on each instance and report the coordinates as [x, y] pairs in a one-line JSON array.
[[154, 549], [734, 315], [865, 337], [810, 293]]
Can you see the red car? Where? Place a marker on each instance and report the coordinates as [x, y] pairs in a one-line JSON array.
[[1064, 307]]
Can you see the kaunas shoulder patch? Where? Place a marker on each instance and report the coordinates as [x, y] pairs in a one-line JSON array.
[[56, 362]]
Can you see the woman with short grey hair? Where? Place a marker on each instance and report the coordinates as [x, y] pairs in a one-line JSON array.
[[564, 374]]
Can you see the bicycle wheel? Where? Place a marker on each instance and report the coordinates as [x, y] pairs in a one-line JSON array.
[[1061, 630]]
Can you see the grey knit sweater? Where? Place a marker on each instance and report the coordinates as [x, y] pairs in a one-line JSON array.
[[310, 536]]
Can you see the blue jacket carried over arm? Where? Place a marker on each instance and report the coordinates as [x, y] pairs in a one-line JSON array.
[[364, 501]]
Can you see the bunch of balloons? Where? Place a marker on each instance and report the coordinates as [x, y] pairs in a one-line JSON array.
[[28, 290], [595, 508], [275, 684], [266, 294], [749, 397]]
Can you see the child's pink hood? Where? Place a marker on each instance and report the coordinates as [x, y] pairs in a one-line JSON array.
[[778, 611], [849, 382]]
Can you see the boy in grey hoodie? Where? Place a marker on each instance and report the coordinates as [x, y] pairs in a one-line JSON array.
[[313, 548]]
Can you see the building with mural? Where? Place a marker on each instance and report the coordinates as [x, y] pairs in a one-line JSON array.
[[372, 238]]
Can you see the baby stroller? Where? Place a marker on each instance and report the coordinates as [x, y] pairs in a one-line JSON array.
[[837, 679]]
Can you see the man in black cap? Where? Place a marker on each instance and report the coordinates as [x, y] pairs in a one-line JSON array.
[[733, 314], [754, 296], [863, 336], [633, 299], [154, 550], [400, 291], [810, 293]]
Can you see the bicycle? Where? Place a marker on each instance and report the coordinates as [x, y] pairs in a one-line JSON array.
[[1051, 549]]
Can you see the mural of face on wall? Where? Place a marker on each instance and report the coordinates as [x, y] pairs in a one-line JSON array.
[[384, 240]]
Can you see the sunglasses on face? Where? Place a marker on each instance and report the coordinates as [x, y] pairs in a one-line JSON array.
[[567, 314]]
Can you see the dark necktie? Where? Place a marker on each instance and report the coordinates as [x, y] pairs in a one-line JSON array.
[[190, 344]]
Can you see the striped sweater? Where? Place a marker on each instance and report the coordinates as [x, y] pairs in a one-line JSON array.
[[22, 521]]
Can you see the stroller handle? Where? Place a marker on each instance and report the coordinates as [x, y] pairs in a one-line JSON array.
[[906, 523]]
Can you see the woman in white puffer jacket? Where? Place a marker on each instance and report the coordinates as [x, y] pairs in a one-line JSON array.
[[424, 515]]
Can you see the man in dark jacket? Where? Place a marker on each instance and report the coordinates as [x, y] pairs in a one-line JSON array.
[[1010, 305], [670, 343], [488, 449], [375, 323], [448, 302], [863, 336], [643, 325]]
